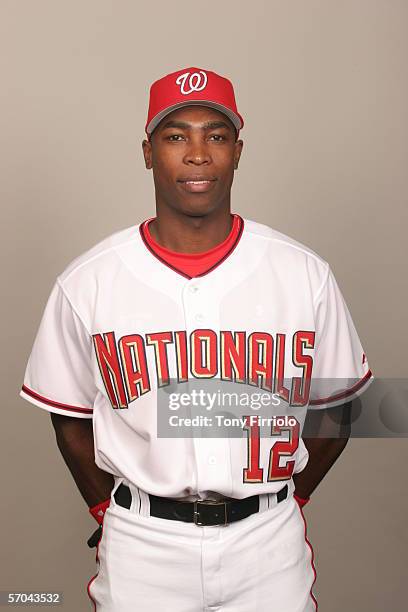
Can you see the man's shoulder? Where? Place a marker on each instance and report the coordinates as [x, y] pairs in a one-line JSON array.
[[279, 240], [100, 254]]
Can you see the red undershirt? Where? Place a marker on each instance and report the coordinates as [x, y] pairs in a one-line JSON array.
[[195, 264]]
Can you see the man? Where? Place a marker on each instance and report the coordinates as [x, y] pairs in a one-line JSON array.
[[191, 296]]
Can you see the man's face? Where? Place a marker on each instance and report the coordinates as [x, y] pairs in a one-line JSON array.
[[193, 153]]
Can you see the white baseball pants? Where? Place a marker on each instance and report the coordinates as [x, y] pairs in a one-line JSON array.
[[263, 563]]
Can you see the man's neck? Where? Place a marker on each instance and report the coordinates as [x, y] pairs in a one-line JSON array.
[[186, 234]]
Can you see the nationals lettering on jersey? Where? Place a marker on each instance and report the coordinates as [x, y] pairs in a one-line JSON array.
[[258, 360]]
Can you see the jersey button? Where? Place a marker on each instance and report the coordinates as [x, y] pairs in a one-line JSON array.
[[193, 289], [212, 460], [199, 318]]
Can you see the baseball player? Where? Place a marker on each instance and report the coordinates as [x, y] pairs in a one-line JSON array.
[[192, 296]]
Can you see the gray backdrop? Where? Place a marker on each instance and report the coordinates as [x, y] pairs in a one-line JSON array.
[[322, 86]]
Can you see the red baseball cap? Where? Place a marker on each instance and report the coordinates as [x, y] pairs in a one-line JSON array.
[[191, 86]]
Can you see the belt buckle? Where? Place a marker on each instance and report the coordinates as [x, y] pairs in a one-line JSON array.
[[208, 502]]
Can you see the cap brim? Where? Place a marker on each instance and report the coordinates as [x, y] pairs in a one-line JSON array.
[[235, 119]]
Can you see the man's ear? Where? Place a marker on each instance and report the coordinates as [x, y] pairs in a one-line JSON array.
[[237, 153], [147, 153]]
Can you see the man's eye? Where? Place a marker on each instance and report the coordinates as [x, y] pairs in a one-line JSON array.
[[217, 137], [174, 137]]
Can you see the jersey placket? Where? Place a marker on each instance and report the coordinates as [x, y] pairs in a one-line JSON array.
[[212, 455]]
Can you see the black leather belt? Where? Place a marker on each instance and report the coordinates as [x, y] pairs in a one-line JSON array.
[[203, 513]]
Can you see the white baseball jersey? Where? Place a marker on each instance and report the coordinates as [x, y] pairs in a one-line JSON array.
[[120, 326]]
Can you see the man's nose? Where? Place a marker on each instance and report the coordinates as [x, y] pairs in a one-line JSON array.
[[197, 153]]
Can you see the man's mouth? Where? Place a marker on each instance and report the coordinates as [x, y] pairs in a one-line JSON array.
[[197, 185]]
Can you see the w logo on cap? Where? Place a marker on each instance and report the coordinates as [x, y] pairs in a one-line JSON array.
[[195, 81]]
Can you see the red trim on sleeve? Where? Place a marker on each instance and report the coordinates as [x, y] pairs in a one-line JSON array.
[[49, 402], [343, 394]]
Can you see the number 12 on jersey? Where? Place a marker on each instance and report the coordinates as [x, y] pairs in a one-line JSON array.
[[281, 448]]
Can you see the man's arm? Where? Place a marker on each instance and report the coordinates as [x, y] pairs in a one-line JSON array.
[[76, 443], [330, 431]]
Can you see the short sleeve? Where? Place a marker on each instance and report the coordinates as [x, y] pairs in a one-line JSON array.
[[340, 369], [59, 375]]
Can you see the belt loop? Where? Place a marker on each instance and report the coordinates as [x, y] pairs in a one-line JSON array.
[[118, 480], [271, 499], [135, 503], [264, 502], [291, 487], [143, 503]]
